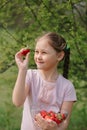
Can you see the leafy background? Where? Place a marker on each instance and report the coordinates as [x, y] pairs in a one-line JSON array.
[[21, 22]]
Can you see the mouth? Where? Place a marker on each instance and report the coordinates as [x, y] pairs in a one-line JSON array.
[[39, 62]]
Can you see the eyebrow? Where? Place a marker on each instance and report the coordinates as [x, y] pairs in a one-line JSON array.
[[41, 49]]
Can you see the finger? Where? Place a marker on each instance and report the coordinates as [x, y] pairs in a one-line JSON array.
[[36, 124], [27, 56], [52, 124], [18, 57], [23, 49], [19, 53], [41, 122], [38, 117]]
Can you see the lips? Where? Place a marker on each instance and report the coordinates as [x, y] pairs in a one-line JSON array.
[[39, 62]]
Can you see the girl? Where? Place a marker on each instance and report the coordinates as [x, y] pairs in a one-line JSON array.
[[44, 86]]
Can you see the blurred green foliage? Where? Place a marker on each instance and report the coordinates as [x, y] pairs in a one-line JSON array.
[[21, 22]]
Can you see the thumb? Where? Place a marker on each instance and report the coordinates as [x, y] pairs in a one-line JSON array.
[[27, 57]]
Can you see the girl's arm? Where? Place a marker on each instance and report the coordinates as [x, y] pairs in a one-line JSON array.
[[66, 107], [20, 90]]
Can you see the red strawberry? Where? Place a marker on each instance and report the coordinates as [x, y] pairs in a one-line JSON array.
[[52, 114], [47, 117], [25, 51], [58, 121], [43, 113], [57, 117], [64, 115]]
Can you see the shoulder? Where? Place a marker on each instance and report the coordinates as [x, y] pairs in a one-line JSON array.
[[68, 89], [32, 72], [32, 76], [65, 81], [66, 84]]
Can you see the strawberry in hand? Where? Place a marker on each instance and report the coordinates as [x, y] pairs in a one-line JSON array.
[[56, 117], [25, 51], [22, 58], [43, 113]]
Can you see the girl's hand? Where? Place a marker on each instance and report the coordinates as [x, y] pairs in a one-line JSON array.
[[45, 124], [22, 61]]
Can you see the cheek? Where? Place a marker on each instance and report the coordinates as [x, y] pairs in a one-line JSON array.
[[52, 58]]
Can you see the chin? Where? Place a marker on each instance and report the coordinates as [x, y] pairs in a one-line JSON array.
[[40, 67]]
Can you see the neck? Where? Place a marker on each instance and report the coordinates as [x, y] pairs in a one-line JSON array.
[[49, 75]]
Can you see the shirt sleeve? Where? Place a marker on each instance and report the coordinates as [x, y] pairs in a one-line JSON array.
[[70, 93]]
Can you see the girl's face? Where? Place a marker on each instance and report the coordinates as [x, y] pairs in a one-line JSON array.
[[45, 56]]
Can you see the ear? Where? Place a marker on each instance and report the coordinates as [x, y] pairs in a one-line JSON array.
[[60, 55]]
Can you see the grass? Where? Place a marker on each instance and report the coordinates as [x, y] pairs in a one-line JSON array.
[[10, 116]]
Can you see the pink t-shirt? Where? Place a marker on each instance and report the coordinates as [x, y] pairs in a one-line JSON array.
[[44, 95]]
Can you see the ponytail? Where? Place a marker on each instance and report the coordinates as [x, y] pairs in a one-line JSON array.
[[66, 62]]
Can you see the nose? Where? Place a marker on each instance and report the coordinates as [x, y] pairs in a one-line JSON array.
[[39, 56]]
